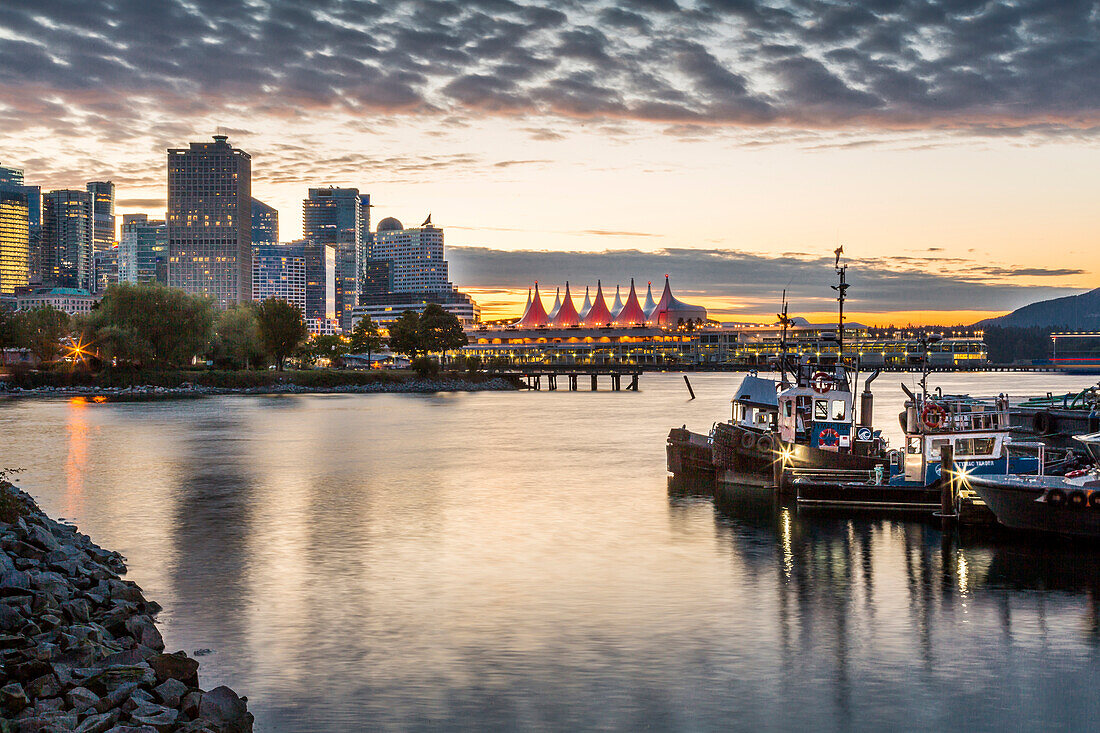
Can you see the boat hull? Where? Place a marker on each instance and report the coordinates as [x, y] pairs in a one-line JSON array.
[[1019, 503], [688, 454]]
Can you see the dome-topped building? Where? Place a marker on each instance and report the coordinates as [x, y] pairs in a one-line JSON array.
[[390, 224]]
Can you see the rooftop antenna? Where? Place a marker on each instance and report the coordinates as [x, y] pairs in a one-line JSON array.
[[785, 321]]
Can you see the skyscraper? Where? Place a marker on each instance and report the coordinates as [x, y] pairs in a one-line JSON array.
[[332, 216], [143, 250], [265, 224], [66, 252], [210, 220], [11, 180], [279, 271], [415, 256], [103, 214], [14, 241]]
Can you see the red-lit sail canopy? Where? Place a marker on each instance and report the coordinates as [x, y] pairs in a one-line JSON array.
[[535, 315], [567, 313], [598, 314], [671, 311], [632, 313]]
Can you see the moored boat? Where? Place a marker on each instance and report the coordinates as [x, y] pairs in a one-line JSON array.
[[1067, 504]]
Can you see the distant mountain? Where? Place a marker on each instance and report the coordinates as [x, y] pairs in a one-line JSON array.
[[1075, 312]]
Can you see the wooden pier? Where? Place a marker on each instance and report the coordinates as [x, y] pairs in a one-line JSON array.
[[573, 377]]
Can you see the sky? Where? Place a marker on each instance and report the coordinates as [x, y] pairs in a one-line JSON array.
[[951, 147]]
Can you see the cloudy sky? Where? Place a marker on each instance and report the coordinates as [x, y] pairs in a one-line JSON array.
[[952, 147]]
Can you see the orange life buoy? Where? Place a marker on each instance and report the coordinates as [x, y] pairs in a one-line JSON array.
[[933, 415], [829, 438]]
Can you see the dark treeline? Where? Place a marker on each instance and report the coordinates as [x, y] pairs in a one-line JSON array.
[[153, 327], [1009, 344]]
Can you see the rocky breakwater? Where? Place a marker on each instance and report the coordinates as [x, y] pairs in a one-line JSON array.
[[79, 648]]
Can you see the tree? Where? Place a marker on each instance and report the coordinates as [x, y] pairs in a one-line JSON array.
[[150, 324], [236, 341], [365, 337], [332, 348], [440, 330], [405, 335], [281, 329], [9, 332], [41, 330]]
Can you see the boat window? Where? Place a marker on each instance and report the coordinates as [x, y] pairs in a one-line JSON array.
[[838, 410], [983, 446], [788, 408], [821, 409], [914, 446], [964, 447]]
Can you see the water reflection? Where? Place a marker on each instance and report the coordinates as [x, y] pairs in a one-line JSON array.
[[76, 460]]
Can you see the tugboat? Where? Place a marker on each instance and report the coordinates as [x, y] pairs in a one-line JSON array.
[[1056, 419], [977, 432], [1067, 505]]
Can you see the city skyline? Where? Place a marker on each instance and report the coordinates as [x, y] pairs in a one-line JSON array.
[[945, 145]]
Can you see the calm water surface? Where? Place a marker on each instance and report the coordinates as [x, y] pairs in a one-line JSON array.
[[502, 561]]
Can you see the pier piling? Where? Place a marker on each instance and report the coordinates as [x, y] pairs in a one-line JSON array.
[[947, 484], [690, 390]]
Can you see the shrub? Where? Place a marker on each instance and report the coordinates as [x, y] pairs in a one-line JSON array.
[[425, 368]]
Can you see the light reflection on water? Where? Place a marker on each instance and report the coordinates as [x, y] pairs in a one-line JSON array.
[[520, 560]]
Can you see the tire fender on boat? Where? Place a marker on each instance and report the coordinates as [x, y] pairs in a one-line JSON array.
[[1043, 423], [1056, 498], [1077, 499], [1094, 499], [765, 444], [748, 440]]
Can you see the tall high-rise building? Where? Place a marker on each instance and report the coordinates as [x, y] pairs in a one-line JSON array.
[[332, 216], [103, 214], [377, 278], [279, 271], [143, 250], [415, 256], [366, 237], [14, 241], [66, 254], [11, 180], [210, 220], [265, 224], [106, 268], [320, 281]]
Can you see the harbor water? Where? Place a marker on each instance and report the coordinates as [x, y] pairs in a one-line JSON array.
[[502, 561]]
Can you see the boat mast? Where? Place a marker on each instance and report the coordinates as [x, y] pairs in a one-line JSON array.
[[841, 289], [784, 321]]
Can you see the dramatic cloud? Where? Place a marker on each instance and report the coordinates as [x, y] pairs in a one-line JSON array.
[[754, 282], [984, 67]]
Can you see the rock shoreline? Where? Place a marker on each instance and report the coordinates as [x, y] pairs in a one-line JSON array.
[[418, 386], [79, 647]]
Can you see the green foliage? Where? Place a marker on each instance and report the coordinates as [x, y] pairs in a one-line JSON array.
[[324, 347], [41, 330], [9, 332], [425, 368], [405, 335], [282, 329], [434, 330], [440, 330], [365, 338], [150, 325], [237, 343]]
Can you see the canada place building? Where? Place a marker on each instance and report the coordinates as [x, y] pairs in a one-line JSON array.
[[210, 221]]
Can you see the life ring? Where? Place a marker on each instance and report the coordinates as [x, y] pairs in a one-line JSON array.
[[1043, 423], [1056, 498], [764, 445], [829, 438], [822, 382], [933, 415], [1094, 499], [748, 440], [1077, 499]]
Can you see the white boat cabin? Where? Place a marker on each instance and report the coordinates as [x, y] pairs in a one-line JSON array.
[[818, 412], [977, 430], [755, 407]]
